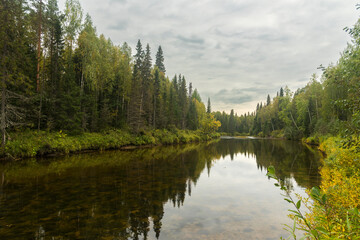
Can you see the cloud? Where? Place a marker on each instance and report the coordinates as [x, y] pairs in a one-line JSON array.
[[237, 96], [235, 52], [120, 25], [191, 40]]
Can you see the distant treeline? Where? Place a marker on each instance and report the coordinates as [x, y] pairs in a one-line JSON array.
[[328, 106], [57, 73]]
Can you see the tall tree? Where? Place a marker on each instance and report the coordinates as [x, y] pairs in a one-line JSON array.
[[135, 109], [156, 98], [208, 109], [232, 122], [159, 62], [268, 101], [72, 21], [69, 114], [53, 47], [281, 92], [39, 31], [17, 65], [147, 86], [183, 101]]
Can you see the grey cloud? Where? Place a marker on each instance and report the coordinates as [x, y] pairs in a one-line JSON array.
[[237, 96], [120, 25], [191, 40]]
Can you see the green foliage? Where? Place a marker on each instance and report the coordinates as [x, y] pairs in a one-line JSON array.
[[334, 212], [37, 143]]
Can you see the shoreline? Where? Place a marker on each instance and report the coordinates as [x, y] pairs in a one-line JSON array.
[[35, 144]]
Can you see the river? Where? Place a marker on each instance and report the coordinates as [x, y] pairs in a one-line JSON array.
[[213, 190]]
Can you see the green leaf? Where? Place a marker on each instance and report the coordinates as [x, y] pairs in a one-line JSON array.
[[323, 230], [324, 198], [288, 200], [296, 214], [314, 233], [271, 172], [315, 193], [348, 224], [298, 204]]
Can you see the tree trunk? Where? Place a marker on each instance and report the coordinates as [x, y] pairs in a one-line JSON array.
[[41, 99], [292, 118], [3, 112], [39, 51], [309, 114], [154, 118], [83, 119]]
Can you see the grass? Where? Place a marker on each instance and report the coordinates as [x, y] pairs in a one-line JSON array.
[[39, 143]]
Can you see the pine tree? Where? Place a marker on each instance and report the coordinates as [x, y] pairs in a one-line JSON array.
[[208, 109], [147, 86], [160, 60], [268, 101], [135, 108], [232, 122], [183, 101], [156, 98], [190, 90]]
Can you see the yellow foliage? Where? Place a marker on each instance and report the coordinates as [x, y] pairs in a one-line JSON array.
[[341, 183], [209, 124]]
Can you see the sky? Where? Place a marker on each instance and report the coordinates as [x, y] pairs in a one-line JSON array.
[[235, 52]]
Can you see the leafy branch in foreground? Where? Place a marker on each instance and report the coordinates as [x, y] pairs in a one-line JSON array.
[[322, 222], [308, 228]]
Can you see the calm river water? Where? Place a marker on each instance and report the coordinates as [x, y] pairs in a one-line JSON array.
[[215, 190]]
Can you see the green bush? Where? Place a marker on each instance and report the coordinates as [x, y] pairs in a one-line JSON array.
[[38, 143]]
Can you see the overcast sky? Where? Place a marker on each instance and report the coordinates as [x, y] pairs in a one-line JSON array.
[[233, 51]]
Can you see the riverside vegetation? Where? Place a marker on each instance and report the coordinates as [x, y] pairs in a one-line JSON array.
[[40, 143], [334, 212], [326, 114], [56, 99], [64, 88]]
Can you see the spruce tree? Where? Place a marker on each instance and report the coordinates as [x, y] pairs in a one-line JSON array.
[[156, 98], [160, 60], [183, 101], [232, 122], [208, 109], [190, 90], [135, 108], [147, 86]]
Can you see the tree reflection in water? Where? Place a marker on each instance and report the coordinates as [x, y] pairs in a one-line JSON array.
[[121, 194]]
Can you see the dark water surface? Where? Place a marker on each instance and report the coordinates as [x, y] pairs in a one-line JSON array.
[[214, 190]]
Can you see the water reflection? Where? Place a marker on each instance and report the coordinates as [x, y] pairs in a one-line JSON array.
[[124, 194]]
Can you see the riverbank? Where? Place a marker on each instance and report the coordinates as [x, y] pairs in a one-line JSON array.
[[336, 216], [41, 143]]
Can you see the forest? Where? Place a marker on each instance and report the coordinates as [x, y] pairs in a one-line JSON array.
[[58, 74], [327, 105]]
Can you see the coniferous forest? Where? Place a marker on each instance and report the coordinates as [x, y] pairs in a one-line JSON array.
[[59, 74]]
